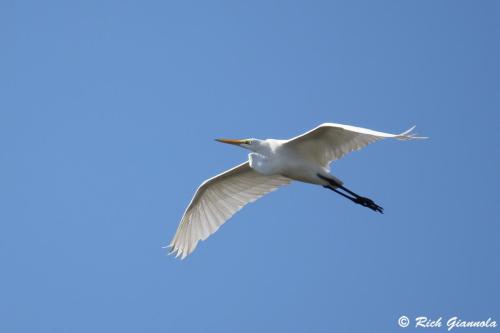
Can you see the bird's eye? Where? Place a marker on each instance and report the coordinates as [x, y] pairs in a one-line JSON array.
[[248, 142]]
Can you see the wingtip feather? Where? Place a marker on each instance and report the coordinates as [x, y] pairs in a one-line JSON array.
[[410, 135]]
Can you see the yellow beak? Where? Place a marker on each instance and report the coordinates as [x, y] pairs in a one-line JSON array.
[[231, 141]]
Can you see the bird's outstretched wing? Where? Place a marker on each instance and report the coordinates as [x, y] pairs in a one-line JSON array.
[[216, 200], [329, 142]]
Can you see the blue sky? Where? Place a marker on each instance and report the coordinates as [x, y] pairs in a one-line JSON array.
[[107, 119]]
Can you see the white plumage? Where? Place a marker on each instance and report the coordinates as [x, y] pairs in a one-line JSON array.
[[273, 163]]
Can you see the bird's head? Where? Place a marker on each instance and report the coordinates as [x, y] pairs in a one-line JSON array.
[[250, 144]]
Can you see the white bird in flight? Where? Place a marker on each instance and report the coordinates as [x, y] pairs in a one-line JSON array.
[[271, 164]]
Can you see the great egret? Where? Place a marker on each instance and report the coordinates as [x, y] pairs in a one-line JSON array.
[[271, 164]]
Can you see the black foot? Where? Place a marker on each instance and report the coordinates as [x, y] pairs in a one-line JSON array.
[[365, 202]]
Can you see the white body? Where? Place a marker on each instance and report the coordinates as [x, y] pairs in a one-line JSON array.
[[274, 157], [272, 164]]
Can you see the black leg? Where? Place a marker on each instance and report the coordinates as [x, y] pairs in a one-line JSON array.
[[342, 194], [365, 202]]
